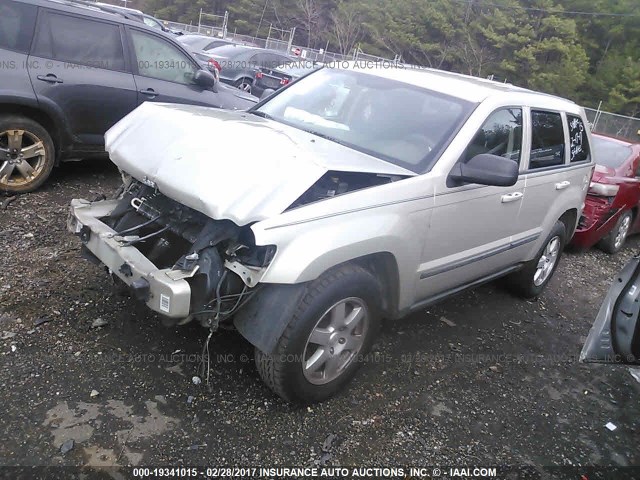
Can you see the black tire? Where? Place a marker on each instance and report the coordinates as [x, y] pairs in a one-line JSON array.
[[610, 243], [283, 372], [40, 165], [244, 81], [523, 282]]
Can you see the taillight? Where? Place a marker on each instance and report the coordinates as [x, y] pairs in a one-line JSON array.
[[284, 81], [214, 64], [259, 75], [603, 189]]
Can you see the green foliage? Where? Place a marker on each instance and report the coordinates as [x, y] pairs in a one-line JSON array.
[[531, 43]]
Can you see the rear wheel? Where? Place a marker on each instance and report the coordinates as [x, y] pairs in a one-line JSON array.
[[614, 241], [26, 154], [529, 282], [321, 348], [244, 84]]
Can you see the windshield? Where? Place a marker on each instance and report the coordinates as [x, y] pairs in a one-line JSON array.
[[406, 125], [609, 152]]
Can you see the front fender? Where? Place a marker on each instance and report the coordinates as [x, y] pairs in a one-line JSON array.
[[308, 249]]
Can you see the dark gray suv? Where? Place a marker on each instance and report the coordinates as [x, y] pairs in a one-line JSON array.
[[69, 71]]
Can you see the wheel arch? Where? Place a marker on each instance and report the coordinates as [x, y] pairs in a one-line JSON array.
[[264, 318], [45, 119], [570, 220], [384, 267]]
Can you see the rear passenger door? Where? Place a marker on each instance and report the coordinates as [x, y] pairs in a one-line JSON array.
[[556, 172], [164, 73], [78, 66]]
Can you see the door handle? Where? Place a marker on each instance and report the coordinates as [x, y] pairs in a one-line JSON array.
[[149, 92], [562, 185], [512, 197], [49, 78]]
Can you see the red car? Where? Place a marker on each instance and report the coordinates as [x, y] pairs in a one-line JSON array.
[[611, 207]]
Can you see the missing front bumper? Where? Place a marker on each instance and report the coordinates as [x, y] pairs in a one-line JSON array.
[[166, 295]]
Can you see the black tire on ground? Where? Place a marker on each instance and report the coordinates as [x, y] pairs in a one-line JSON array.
[[244, 81], [523, 282], [608, 243], [39, 166], [282, 370]]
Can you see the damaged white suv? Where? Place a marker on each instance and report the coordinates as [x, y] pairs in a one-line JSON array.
[[349, 196]]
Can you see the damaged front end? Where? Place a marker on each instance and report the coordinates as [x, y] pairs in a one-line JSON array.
[[180, 262]]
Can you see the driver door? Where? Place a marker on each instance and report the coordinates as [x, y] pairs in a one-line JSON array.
[[164, 73], [472, 225]]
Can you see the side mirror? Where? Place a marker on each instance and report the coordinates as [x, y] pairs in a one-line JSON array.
[[205, 79], [266, 93], [486, 169]]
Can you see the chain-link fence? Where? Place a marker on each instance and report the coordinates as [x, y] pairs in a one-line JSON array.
[[613, 124]]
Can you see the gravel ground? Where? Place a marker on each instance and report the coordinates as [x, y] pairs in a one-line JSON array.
[[483, 378]]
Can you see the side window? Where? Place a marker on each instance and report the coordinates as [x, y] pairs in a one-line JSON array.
[[578, 142], [501, 134], [17, 22], [547, 140], [80, 40], [159, 59]]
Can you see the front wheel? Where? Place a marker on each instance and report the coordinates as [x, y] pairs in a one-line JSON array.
[[530, 281], [614, 241], [322, 347], [26, 154]]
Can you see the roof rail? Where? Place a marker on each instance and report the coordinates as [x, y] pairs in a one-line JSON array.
[[128, 13]]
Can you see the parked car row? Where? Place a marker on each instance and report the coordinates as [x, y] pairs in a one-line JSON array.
[[247, 67]]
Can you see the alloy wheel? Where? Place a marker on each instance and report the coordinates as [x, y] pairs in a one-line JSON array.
[[22, 157], [547, 261], [622, 232], [335, 341]]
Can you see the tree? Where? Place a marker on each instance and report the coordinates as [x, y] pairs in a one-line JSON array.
[[347, 26], [625, 95]]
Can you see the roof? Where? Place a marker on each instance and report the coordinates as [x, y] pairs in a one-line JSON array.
[[88, 8], [466, 87]]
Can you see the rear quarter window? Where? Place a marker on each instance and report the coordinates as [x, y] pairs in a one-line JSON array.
[[579, 148], [17, 23]]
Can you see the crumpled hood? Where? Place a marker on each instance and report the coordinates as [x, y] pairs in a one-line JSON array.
[[225, 164]]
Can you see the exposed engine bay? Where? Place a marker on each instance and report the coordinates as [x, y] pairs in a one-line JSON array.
[[218, 258]]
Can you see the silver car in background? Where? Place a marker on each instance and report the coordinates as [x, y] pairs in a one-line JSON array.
[[351, 195]]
